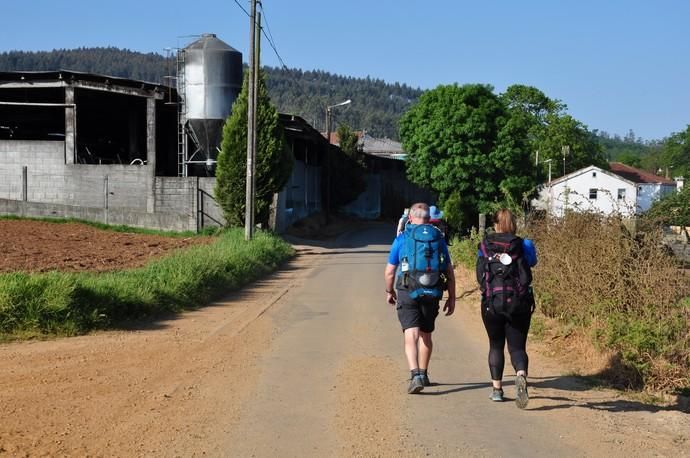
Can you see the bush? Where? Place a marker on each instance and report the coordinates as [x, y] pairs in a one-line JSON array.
[[625, 290], [68, 303], [463, 251]]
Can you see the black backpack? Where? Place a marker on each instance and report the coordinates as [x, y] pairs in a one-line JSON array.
[[504, 276]]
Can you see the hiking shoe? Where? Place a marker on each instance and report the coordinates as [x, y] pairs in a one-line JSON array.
[[416, 385], [496, 395], [521, 399], [425, 379]]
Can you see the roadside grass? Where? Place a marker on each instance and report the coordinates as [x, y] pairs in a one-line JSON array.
[[58, 303]]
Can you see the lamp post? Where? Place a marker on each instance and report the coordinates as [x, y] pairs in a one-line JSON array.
[[548, 161], [329, 113], [565, 150]]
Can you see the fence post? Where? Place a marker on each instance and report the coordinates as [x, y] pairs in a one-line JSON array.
[[199, 207], [482, 223], [105, 199], [25, 186]]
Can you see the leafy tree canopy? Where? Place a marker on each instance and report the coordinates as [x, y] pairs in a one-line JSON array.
[[676, 153], [462, 143], [549, 128], [273, 159]]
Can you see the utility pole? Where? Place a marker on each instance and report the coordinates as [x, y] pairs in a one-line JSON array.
[[328, 165], [257, 61], [251, 127]]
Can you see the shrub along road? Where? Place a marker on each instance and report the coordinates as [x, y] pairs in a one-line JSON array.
[[307, 362]]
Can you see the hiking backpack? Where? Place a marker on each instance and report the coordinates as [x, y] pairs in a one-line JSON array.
[[423, 262], [504, 275]]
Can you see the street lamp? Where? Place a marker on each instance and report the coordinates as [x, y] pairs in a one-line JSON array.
[[329, 114]]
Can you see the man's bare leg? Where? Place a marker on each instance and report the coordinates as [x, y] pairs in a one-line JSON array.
[[411, 350], [425, 348]]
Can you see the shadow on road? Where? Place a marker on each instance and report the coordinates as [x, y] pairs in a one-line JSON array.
[[573, 383], [310, 252], [457, 388], [365, 234]]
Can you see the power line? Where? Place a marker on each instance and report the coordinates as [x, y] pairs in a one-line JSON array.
[[242, 8], [271, 43], [266, 21]]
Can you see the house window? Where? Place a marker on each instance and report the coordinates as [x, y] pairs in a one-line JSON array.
[[621, 194], [593, 193], [594, 174]]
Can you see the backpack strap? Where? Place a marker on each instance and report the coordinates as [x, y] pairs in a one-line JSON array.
[[485, 254]]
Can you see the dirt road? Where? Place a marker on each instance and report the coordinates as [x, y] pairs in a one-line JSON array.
[[307, 362]]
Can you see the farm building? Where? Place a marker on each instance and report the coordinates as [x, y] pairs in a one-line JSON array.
[[143, 154], [622, 189], [123, 151]]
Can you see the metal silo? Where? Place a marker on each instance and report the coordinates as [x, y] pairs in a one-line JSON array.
[[210, 77]]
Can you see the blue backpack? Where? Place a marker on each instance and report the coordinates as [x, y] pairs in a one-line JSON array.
[[423, 262]]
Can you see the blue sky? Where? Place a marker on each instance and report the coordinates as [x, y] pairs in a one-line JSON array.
[[618, 65]]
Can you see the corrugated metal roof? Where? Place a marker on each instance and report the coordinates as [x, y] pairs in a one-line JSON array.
[[371, 145], [26, 76]]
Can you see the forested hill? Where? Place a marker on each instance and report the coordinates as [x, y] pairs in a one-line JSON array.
[[376, 105]]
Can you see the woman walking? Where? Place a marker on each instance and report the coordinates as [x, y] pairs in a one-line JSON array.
[[504, 275]]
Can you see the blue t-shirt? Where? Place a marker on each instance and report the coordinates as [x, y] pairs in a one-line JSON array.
[[529, 250], [394, 257]]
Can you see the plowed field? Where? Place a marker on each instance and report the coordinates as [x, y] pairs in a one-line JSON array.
[[40, 246]]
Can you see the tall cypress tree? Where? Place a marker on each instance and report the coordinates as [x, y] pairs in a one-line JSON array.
[[273, 159]]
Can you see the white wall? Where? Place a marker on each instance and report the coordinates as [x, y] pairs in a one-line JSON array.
[[573, 193], [648, 193]]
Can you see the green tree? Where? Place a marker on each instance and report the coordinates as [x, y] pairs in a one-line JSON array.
[[462, 143], [630, 158], [347, 140], [583, 148], [273, 159], [549, 128], [675, 154], [532, 102]]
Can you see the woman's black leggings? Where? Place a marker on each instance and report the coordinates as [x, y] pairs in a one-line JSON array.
[[499, 330]]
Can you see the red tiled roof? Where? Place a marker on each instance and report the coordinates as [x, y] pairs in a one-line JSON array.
[[637, 175]]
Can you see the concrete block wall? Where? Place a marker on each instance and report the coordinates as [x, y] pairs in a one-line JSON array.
[[133, 218], [50, 180], [213, 214], [179, 195], [176, 194], [112, 194], [44, 158]]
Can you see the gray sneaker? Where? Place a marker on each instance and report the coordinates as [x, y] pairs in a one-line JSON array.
[[416, 385], [496, 395], [522, 398], [425, 380]]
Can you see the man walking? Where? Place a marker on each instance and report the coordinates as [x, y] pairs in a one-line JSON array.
[[419, 269]]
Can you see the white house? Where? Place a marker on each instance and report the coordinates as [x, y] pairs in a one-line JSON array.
[[622, 189]]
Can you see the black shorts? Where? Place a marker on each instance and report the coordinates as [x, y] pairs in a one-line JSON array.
[[417, 314]]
